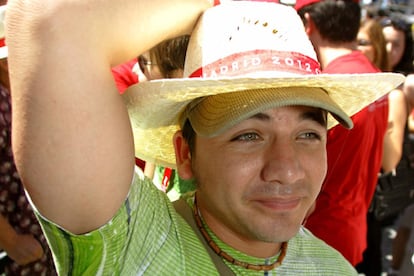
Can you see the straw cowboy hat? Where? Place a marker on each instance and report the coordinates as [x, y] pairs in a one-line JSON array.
[[247, 57]]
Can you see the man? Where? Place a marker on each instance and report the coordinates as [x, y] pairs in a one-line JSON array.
[[354, 157], [248, 123]]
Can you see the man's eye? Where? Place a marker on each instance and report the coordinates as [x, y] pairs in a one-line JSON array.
[[310, 136], [251, 136]]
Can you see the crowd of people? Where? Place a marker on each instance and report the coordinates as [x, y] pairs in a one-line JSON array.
[[222, 137], [392, 28]]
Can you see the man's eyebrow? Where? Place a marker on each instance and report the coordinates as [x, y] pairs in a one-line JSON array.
[[316, 115], [260, 116]]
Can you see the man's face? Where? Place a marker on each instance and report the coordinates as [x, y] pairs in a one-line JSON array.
[[257, 180]]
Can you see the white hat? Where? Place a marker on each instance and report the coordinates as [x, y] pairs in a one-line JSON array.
[[247, 57]]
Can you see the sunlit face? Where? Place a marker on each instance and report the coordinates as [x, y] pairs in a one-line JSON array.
[[257, 180], [395, 44], [365, 45]]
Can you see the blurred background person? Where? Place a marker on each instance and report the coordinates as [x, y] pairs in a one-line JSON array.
[[371, 42], [167, 60], [399, 39], [397, 149], [398, 35]]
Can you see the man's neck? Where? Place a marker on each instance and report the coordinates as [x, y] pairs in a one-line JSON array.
[[254, 248], [251, 247], [329, 52]]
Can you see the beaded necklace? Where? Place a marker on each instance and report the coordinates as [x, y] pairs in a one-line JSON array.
[[229, 258]]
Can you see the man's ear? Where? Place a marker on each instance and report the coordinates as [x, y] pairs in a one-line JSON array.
[[182, 156], [309, 24]]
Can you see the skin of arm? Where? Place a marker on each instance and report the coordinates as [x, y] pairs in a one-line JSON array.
[[72, 139], [394, 136], [23, 249]]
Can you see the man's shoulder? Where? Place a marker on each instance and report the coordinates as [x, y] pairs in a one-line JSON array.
[[313, 254]]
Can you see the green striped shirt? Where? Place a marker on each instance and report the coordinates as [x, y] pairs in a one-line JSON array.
[[147, 236]]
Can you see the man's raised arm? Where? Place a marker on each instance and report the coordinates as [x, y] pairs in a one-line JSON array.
[[71, 134]]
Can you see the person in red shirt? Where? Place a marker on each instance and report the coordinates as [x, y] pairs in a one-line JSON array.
[[354, 156]]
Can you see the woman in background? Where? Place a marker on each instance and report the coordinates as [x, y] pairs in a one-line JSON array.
[[371, 42]]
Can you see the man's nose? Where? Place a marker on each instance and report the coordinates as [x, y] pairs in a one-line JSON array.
[[282, 163]]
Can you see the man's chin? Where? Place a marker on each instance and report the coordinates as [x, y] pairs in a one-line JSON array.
[[279, 233]]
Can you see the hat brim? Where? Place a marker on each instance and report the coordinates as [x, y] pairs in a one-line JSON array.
[[155, 106], [211, 116]]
